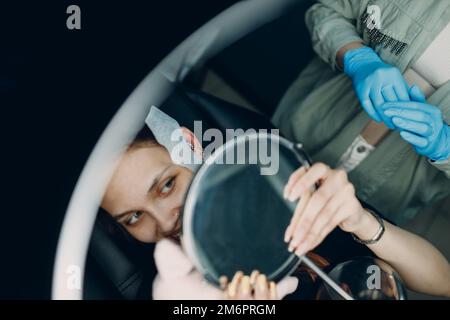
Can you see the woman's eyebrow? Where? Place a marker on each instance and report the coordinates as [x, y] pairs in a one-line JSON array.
[[158, 178], [154, 183], [121, 215]]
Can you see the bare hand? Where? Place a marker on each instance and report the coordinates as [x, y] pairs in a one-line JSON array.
[[256, 287], [318, 212]]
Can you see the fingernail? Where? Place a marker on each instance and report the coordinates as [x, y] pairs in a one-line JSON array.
[[273, 290], [397, 121], [223, 280], [245, 285], [232, 290], [253, 277], [301, 249], [237, 277], [293, 245], [286, 238], [262, 282], [287, 234], [297, 239], [272, 285]]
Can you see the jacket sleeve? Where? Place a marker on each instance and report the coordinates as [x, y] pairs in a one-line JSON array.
[[441, 99], [443, 166], [332, 24]]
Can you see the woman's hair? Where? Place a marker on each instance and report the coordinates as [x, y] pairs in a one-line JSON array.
[[144, 138]]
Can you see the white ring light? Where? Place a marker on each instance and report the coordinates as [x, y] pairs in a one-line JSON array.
[[226, 28]]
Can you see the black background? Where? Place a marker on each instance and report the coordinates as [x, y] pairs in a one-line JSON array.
[[58, 90]]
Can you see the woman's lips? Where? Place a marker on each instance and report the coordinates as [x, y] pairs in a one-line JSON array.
[[175, 232]]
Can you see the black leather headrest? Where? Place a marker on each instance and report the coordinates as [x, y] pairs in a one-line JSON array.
[[187, 105]]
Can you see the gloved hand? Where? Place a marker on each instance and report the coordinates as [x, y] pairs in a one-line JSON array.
[[421, 124], [374, 82], [177, 278]]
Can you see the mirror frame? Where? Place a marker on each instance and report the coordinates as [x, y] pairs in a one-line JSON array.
[[188, 242]]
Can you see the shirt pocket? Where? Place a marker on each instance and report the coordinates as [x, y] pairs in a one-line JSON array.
[[388, 30]]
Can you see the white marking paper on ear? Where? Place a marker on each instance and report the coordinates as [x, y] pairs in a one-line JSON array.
[[168, 133]]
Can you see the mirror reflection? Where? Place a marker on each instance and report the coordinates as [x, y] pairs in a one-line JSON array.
[[239, 216]]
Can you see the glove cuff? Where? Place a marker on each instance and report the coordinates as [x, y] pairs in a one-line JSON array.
[[444, 149], [355, 58]]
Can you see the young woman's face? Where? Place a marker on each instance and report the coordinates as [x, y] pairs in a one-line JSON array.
[[146, 193]]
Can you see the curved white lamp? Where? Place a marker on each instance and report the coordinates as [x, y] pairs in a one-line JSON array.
[[229, 26]]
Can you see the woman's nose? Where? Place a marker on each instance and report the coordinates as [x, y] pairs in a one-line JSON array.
[[169, 219]]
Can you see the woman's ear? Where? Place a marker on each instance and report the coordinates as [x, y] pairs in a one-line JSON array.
[[192, 140]]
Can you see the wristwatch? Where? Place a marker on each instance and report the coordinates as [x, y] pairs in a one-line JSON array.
[[377, 236]]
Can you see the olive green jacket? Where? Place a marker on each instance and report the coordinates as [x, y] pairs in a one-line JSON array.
[[321, 110]]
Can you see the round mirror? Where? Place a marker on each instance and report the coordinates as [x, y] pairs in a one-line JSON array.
[[235, 215]]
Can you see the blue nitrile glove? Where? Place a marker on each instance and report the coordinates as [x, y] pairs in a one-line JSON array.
[[422, 125], [375, 82]]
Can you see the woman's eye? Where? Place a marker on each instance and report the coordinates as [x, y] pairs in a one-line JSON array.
[[133, 218], [168, 186]]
